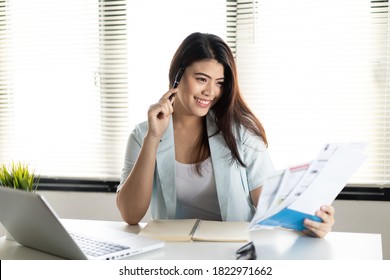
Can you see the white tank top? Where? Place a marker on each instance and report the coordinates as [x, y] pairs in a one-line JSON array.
[[196, 195]]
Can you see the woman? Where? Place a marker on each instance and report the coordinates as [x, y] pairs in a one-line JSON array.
[[202, 152]]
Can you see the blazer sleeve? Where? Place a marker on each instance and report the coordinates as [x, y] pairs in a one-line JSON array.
[[133, 148], [257, 160]]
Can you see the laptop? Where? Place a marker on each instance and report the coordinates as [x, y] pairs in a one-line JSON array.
[[31, 221]]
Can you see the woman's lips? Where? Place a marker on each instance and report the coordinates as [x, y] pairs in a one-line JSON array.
[[203, 102]]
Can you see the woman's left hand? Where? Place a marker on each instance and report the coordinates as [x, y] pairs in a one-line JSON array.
[[318, 229]]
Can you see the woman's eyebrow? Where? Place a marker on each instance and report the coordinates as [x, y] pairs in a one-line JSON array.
[[208, 76]]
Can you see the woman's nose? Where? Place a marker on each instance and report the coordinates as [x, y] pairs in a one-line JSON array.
[[208, 90]]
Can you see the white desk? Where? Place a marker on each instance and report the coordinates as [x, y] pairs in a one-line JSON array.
[[270, 245]]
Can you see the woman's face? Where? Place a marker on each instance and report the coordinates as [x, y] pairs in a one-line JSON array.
[[200, 88]]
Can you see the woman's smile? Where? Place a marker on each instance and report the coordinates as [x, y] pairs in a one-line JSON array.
[[202, 102]]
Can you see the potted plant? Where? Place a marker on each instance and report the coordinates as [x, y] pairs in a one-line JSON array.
[[17, 176]]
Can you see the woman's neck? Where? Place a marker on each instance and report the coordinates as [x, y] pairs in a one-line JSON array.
[[187, 133], [187, 123]]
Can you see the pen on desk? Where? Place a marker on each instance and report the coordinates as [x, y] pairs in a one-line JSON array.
[[246, 252]]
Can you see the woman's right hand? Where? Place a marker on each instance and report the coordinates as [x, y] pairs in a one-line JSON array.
[[159, 115]]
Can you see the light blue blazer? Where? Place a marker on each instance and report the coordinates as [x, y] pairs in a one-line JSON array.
[[233, 182]]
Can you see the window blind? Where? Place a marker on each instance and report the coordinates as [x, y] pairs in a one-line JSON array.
[[63, 86], [317, 72], [231, 24], [76, 76]]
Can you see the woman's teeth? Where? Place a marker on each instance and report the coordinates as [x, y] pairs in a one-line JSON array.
[[202, 101]]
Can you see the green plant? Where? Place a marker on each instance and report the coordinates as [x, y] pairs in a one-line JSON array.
[[18, 176]]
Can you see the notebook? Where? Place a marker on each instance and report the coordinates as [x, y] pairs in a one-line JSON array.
[[31, 221], [196, 230]]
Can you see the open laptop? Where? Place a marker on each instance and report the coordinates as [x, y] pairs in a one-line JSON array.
[[32, 222]]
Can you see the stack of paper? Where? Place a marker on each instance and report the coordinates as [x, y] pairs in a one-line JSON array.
[[291, 195]]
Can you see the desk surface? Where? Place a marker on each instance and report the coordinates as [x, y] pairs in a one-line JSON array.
[[275, 244]]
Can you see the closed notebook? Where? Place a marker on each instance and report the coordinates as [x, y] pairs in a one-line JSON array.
[[196, 230]]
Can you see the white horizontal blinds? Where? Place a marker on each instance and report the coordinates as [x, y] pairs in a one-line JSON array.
[[113, 82], [316, 72], [380, 19], [5, 98], [246, 53], [66, 78], [156, 28], [240, 21], [231, 24]]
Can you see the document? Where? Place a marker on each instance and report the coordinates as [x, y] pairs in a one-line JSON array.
[[196, 230], [291, 195]]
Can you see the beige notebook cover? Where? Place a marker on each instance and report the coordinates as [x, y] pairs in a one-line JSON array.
[[197, 230]]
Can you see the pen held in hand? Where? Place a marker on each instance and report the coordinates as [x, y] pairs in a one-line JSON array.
[[178, 76], [176, 83], [172, 96]]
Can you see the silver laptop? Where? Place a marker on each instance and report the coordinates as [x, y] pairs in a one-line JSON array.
[[32, 222]]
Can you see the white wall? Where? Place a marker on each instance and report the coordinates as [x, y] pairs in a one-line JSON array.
[[85, 205], [351, 216]]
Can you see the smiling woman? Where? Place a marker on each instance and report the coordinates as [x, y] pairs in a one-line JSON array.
[[199, 91], [207, 132], [202, 130]]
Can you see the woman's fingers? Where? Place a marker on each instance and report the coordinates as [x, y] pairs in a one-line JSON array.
[[320, 229], [160, 112], [169, 94]]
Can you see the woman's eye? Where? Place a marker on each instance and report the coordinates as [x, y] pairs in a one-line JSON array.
[[220, 84], [202, 80]]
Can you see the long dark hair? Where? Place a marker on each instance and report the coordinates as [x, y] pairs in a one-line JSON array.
[[231, 108]]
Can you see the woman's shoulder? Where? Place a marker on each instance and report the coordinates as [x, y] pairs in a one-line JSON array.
[[242, 134], [143, 126], [140, 129], [248, 137]]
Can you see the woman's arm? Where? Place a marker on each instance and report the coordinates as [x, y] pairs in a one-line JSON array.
[[255, 195], [134, 197]]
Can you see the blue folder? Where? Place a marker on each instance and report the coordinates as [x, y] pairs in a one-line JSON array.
[[288, 218]]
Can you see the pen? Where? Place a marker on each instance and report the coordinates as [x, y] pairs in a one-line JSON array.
[[176, 83], [178, 76]]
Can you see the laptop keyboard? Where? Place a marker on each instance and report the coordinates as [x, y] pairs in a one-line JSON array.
[[96, 248]]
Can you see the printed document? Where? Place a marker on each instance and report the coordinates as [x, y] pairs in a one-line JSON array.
[[291, 195]]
